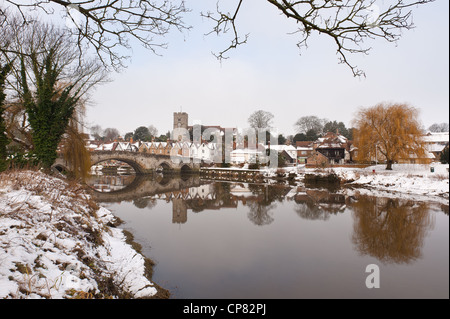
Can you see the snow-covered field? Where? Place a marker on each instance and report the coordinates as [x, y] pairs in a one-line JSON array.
[[57, 243]]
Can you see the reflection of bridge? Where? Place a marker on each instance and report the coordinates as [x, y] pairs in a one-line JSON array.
[[143, 186], [141, 162]]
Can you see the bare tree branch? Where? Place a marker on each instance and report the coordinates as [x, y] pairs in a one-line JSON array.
[[349, 23], [108, 26]]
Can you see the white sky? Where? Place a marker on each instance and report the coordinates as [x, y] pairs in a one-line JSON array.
[[269, 73]]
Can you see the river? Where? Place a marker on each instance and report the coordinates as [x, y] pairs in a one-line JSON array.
[[232, 240]]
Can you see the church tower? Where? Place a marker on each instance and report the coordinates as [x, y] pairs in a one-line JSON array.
[[180, 120]]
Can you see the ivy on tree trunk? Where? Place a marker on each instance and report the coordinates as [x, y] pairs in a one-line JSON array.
[[3, 139], [49, 109]]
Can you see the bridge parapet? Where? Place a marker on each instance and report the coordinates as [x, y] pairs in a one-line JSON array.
[[146, 162]]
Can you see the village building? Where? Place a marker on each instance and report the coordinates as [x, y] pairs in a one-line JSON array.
[[436, 142], [304, 150], [333, 146]]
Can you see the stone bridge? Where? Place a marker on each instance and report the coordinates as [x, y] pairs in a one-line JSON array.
[[142, 163]]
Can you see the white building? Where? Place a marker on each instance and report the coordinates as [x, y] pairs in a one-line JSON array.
[[436, 142]]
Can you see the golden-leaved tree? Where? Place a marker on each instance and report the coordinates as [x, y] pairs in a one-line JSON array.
[[391, 131]]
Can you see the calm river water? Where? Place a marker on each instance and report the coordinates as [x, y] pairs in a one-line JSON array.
[[217, 239]]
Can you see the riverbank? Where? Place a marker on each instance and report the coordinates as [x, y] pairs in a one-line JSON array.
[[407, 179], [55, 242], [412, 179]]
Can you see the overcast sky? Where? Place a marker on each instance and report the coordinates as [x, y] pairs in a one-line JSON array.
[[272, 74]]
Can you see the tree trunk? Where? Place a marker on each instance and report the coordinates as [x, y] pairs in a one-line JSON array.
[[389, 165]]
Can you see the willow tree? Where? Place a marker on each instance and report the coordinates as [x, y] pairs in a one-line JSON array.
[[391, 131], [73, 146]]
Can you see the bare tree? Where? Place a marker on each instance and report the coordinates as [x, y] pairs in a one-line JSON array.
[[111, 134], [109, 25], [349, 23], [153, 130], [436, 127], [310, 123], [96, 131], [260, 119]]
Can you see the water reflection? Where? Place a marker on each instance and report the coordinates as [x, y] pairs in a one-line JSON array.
[[314, 204], [110, 182], [391, 230]]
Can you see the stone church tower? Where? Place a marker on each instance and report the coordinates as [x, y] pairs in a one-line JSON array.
[[180, 120]]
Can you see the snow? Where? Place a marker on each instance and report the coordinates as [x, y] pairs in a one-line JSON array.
[[57, 243], [413, 179]]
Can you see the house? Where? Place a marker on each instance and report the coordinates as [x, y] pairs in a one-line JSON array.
[[303, 153], [290, 150], [194, 150], [244, 155], [412, 158], [106, 147], [208, 151], [185, 149], [152, 147], [435, 143], [127, 146], [163, 148], [318, 159], [288, 157], [335, 147]]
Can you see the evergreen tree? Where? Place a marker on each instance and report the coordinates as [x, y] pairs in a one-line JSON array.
[[50, 108], [444, 156], [3, 139]]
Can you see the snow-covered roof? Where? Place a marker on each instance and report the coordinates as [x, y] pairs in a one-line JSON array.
[[330, 145], [245, 151], [436, 137], [435, 147], [281, 147]]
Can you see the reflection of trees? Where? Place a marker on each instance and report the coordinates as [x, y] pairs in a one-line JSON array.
[[444, 208], [260, 212], [311, 211], [390, 229], [262, 204], [318, 204], [144, 202]]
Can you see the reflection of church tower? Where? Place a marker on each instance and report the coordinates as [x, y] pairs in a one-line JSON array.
[[179, 211]]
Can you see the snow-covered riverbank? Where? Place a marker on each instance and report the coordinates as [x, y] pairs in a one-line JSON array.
[[413, 179], [57, 243], [430, 181]]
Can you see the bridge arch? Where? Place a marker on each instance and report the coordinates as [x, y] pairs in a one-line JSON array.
[[137, 168], [165, 166], [185, 168]]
